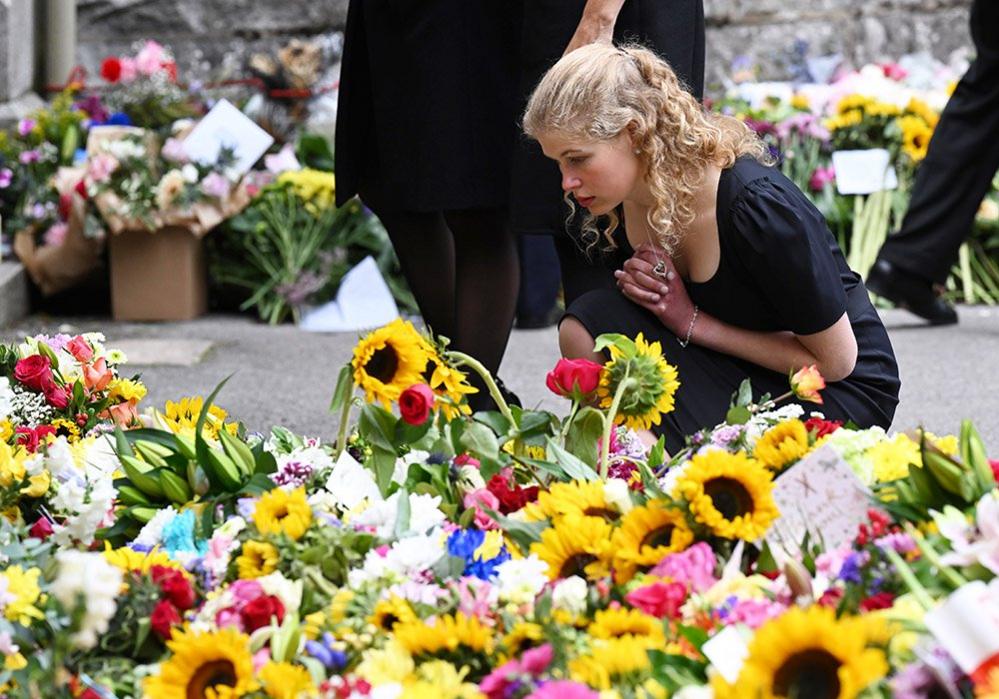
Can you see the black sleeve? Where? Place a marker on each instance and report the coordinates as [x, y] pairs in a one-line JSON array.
[[784, 243]]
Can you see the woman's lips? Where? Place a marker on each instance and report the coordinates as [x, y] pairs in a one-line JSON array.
[[585, 201]]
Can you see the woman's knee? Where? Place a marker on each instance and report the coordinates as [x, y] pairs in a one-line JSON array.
[[575, 341]]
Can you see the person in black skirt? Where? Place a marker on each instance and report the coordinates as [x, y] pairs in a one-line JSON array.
[[426, 127], [538, 215], [725, 261]]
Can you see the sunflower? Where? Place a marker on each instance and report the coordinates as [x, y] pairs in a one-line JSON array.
[[576, 545], [610, 659], [389, 360], [731, 494], [280, 511], [438, 679], [445, 633], [390, 612], [656, 382], [128, 559], [646, 535], [523, 636], [619, 622], [853, 102], [916, 134], [924, 111], [782, 445], [257, 559], [215, 665], [286, 681], [452, 385], [583, 498], [808, 653], [67, 428]]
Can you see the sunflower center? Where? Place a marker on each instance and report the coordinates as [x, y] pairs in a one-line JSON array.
[[389, 621], [576, 565], [280, 512], [812, 673], [216, 673], [383, 364], [604, 512], [661, 536], [729, 497]]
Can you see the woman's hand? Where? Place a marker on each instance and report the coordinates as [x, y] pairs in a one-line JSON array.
[[665, 295], [596, 24]]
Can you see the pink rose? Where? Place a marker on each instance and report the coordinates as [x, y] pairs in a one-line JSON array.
[[821, 177], [575, 379], [58, 396], [128, 69], [806, 384], [150, 58], [101, 166], [659, 599], [80, 349], [35, 372], [536, 660], [124, 414], [694, 567], [478, 499], [215, 185]]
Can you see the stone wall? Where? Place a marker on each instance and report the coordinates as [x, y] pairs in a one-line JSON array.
[[219, 34]]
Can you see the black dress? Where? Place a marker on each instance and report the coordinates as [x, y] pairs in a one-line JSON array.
[[427, 112], [780, 269]]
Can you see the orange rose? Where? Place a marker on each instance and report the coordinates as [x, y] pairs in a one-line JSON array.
[[806, 384], [97, 376]]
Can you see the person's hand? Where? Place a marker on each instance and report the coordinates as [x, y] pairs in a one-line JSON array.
[[665, 296], [591, 29]]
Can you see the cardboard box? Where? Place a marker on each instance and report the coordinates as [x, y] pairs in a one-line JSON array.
[[158, 276]]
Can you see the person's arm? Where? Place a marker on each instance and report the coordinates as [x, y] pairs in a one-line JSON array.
[[596, 24]]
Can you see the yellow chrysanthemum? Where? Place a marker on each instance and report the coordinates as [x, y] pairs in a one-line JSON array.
[[279, 511], [619, 622], [646, 535], [6, 430], [651, 397], [730, 494], [388, 361], [808, 653], [612, 658], [286, 681], [523, 636], [142, 561], [447, 633], [258, 558], [452, 385], [576, 545], [13, 663], [22, 586], [182, 417], [782, 445], [581, 498], [217, 665], [392, 611], [126, 390], [389, 664], [916, 135], [892, 458], [316, 188]]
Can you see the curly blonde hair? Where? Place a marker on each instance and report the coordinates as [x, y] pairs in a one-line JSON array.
[[598, 91]]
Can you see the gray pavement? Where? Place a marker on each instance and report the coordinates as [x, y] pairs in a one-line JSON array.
[[285, 376]]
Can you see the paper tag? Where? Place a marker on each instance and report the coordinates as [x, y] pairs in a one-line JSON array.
[[820, 494], [967, 624], [863, 171], [727, 651], [226, 126], [363, 301]]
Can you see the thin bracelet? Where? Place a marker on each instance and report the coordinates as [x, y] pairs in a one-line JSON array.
[[690, 329]]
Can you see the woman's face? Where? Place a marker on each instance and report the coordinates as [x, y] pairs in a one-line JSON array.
[[599, 174]]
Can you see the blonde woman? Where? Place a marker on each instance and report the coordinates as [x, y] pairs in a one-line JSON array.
[[727, 263]]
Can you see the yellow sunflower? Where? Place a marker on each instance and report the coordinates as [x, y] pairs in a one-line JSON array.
[[782, 445], [257, 559], [853, 102], [646, 535], [730, 494], [452, 385], [280, 511], [618, 622], [523, 636], [389, 360], [611, 659], [215, 665], [808, 653], [924, 111], [286, 681], [656, 382], [576, 545], [128, 559], [447, 633], [582, 498], [390, 612], [916, 135]]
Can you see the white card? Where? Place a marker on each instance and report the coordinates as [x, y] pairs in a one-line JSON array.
[[863, 171], [967, 624], [225, 125], [820, 494], [727, 650], [363, 301]]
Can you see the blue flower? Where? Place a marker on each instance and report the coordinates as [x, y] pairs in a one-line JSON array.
[[118, 119], [178, 535]]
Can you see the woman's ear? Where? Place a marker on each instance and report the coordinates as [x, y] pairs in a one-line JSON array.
[[631, 130]]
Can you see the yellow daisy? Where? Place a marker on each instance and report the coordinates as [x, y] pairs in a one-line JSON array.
[[452, 385], [730, 494], [286, 681], [808, 653], [217, 665], [646, 535], [576, 545], [257, 559], [643, 405], [782, 445], [389, 360], [280, 511]]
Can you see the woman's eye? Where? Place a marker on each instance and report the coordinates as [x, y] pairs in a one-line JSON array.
[[576, 160]]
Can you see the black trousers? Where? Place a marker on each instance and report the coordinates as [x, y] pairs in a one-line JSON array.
[[961, 161]]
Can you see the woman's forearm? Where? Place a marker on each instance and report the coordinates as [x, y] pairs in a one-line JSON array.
[[779, 351], [605, 10]]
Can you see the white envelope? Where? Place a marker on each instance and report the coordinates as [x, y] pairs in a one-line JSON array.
[[364, 301], [225, 125]]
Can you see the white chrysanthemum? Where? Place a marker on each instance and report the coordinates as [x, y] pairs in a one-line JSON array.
[[570, 595], [87, 576], [350, 483], [519, 580], [424, 514], [762, 422], [6, 398], [853, 445], [151, 533], [288, 591], [403, 561]]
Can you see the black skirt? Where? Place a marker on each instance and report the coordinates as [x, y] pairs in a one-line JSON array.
[[674, 30], [427, 115]]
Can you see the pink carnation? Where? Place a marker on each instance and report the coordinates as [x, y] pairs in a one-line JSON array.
[[563, 689], [659, 599], [477, 500], [694, 567]]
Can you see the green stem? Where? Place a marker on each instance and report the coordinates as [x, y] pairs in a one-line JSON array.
[[494, 391], [909, 578], [568, 423], [625, 384], [341, 438], [320, 581], [953, 577]]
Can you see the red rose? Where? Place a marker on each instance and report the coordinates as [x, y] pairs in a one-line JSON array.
[[258, 613], [822, 427], [415, 403], [164, 617], [30, 438], [58, 396], [171, 70], [81, 189], [880, 600], [111, 69], [35, 372], [511, 497], [576, 379], [831, 597], [80, 349], [174, 585], [994, 463], [41, 529]]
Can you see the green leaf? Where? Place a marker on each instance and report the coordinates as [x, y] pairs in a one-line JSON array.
[[258, 484], [377, 426], [494, 420], [534, 422], [697, 637], [744, 396], [546, 466], [344, 387], [201, 447], [411, 434], [574, 468], [402, 514], [479, 440], [521, 533], [382, 462], [738, 415], [606, 340], [313, 151], [583, 438], [657, 455], [264, 461]]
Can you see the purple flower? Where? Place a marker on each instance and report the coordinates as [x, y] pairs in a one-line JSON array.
[[293, 473], [850, 572], [25, 126], [821, 177], [6, 177], [724, 436], [29, 156]]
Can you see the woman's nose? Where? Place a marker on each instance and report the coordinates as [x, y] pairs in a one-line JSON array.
[[569, 182]]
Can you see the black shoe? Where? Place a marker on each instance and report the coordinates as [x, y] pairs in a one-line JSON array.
[[910, 292]]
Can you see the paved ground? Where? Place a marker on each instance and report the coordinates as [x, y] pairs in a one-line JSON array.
[[285, 376]]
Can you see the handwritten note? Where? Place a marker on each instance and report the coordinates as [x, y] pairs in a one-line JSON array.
[[820, 495], [226, 126]]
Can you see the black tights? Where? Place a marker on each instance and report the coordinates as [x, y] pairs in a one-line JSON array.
[[463, 269]]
